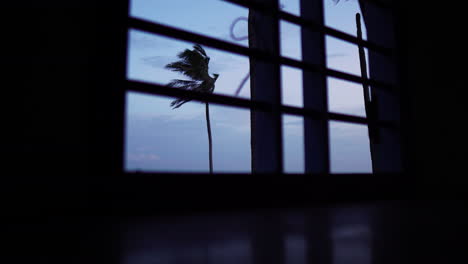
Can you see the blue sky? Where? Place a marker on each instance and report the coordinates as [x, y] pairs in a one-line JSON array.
[[159, 138]]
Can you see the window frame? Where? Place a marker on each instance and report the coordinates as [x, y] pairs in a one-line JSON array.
[[321, 114]]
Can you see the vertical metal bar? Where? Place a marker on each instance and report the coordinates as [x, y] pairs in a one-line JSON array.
[[386, 152], [362, 61], [315, 91], [266, 137], [266, 133], [367, 99], [319, 248]]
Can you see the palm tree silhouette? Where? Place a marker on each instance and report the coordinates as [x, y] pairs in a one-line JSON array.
[[194, 64]]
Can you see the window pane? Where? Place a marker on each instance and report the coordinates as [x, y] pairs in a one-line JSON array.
[[291, 86], [207, 17], [159, 138], [349, 148], [345, 97], [290, 6], [293, 144], [343, 56], [341, 15], [148, 54], [290, 40]]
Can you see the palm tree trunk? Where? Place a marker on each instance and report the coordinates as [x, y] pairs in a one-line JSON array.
[[210, 143]]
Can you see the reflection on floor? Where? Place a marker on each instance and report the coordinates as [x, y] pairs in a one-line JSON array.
[[334, 235]]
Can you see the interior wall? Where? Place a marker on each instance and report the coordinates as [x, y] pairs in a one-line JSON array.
[[435, 70]]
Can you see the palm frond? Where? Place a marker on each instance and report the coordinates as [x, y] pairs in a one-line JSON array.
[[184, 84], [178, 102], [192, 63], [189, 85], [178, 66], [200, 49], [196, 86]]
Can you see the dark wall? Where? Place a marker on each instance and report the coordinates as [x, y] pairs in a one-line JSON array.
[[55, 118], [63, 84], [49, 62], [435, 70]]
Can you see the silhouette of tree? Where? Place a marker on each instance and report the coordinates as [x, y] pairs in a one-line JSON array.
[[194, 64]]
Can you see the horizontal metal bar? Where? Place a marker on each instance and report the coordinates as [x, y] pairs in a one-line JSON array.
[[335, 117], [156, 28], [156, 89], [339, 74], [256, 5], [359, 120], [336, 33], [313, 26]]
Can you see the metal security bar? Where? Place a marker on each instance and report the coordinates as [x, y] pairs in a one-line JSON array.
[[313, 69], [157, 89], [156, 28], [248, 3], [311, 24]]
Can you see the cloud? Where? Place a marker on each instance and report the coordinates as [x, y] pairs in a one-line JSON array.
[[194, 112], [158, 61], [141, 40], [293, 129], [220, 62], [335, 55], [140, 157], [242, 129]]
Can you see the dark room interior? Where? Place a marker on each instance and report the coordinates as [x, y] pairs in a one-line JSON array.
[[68, 200]]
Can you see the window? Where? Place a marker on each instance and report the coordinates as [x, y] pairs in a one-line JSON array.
[[306, 125]]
